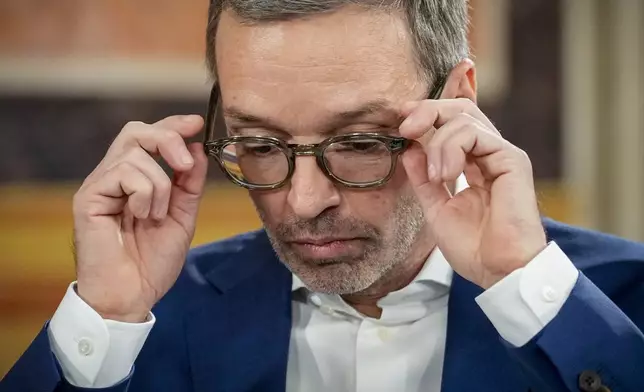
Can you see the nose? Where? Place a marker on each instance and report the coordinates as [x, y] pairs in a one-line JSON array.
[[311, 192]]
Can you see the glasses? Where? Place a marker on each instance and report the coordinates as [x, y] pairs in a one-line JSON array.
[[355, 160]]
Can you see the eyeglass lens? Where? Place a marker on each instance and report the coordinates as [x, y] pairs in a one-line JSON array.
[[263, 163]]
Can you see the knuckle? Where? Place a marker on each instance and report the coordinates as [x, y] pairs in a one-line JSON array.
[[135, 155], [523, 156], [167, 136], [164, 185], [84, 205], [465, 102], [464, 119], [131, 126], [124, 167], [77, 201], [453, 145], [433, 147], [89, 208], [144, 188], [124, 140]]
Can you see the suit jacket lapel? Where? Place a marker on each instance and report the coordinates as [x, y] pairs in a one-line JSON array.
[[475, 359], [238, 339], [238, 333]]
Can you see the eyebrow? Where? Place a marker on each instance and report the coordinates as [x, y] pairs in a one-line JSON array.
[[338, 120]]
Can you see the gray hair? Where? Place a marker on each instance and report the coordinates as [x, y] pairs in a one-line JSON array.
[[439, 27]]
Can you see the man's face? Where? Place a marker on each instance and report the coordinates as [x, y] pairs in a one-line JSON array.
[[303, 81]]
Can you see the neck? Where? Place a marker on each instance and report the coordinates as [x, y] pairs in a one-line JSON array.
[[366, 301]]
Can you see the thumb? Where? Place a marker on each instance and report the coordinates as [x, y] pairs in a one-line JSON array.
[[188, 185], [192, 181], [431, 195]]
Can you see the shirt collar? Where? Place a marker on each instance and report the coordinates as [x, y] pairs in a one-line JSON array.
[[436, 268]]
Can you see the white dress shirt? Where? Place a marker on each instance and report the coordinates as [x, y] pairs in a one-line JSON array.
[[333, 347]]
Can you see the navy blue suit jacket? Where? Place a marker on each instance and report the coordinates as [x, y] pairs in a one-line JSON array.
[[225, 326]]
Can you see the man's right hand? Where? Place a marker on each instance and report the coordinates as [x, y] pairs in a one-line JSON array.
[[133, 224]]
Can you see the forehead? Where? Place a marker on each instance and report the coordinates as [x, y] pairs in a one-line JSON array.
[[345, 56]]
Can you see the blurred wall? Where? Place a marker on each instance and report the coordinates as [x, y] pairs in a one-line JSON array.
[[73, 72]]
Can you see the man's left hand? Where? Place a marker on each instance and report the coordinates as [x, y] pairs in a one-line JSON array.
[[491, 228]]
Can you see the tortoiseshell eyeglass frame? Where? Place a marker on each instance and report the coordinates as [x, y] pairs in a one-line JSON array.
[[215, 147]]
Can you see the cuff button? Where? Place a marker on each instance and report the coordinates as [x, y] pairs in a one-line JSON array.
[[589, 381], [549, 294]]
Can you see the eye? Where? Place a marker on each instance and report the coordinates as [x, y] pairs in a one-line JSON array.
[[260, 150], [365, 146], [358, 146]]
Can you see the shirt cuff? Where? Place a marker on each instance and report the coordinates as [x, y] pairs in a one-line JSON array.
[[94, 352], [524, 302]]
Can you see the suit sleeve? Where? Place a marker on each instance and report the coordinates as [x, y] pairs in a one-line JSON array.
[[94, 352], [79, 351], [38, 370], [592, 342]]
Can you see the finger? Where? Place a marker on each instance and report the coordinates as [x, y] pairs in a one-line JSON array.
[[506, 160], [123, 185], [473, 174], [179, 123], [434, 141], [408, 107], [193, 181], [435, 113], [160, 181], [458, 139], [169, 143], [188, 189], [166, 143], [431, 195]]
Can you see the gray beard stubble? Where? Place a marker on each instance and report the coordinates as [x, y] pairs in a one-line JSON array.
[[385, 248]]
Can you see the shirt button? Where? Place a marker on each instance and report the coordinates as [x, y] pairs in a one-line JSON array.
[[316, 300], [85, 347], [384, 334], [327, 310], [549, 294]]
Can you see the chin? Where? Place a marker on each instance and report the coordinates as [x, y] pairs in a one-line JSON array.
[[334, 277]]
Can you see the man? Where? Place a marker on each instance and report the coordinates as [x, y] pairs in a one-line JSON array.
[[409, 254]]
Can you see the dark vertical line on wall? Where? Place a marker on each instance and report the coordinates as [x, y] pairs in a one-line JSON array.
[[530, 115]]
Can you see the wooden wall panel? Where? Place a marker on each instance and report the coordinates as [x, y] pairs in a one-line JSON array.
[[103, 28]]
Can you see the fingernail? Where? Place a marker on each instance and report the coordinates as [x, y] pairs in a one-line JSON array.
[[408, 121], [186, 159], [431, 172], [189, 118]]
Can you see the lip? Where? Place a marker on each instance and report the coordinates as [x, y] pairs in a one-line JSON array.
[[321, 250], [322, 241]]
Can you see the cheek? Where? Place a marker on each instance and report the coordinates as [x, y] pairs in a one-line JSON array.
[[399, 182], [270, 205], [372, 206], [379, 205]]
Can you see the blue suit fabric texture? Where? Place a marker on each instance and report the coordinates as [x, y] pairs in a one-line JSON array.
[[225, 327]]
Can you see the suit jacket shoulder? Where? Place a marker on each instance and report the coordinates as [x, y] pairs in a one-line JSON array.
[[611, 262], [225, 264], [225, 290], [215, 268]]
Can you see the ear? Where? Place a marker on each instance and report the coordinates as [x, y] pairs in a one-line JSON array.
[[461, 82]]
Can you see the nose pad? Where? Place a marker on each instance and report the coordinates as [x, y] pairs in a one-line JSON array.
[[311, 191]]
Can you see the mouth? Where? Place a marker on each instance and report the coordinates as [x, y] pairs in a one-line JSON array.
[[326, 248]]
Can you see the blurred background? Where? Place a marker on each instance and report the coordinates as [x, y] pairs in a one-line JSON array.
[[561, 79]]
